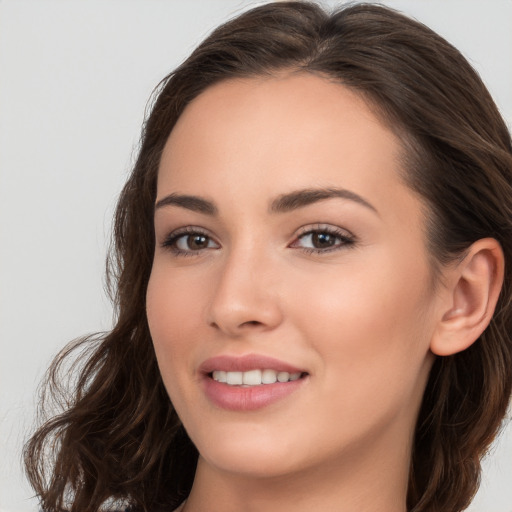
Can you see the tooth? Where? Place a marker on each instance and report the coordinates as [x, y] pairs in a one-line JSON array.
[[234, 378], [268, 376], [252, 377], [283, 376], [219, 376]]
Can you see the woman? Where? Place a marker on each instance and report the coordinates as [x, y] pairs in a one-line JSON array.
[[313, 260]]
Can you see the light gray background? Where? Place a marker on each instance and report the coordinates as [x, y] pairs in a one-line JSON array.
[[75, 77]]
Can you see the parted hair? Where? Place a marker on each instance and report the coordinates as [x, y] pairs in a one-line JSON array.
[[118, 438]]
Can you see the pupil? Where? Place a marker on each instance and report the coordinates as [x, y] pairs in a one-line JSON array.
[[196, 242], [321, 240]]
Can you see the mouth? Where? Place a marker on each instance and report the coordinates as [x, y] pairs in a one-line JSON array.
[[255, 377], [249, 382]]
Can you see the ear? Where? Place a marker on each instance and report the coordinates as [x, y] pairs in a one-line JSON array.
[[473, 288]]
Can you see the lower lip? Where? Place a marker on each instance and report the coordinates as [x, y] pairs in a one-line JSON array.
[[248, 398]]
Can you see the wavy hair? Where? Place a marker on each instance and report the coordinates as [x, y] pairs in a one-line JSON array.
[[119, 438]]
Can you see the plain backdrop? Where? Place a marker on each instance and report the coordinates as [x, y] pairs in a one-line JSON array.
[[75, 76]]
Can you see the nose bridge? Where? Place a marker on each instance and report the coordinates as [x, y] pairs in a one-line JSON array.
[[245, 296]]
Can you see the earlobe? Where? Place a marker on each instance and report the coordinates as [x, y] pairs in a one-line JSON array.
[[473, 290]]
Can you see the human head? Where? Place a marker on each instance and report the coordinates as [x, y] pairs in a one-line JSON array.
[[457, 151]]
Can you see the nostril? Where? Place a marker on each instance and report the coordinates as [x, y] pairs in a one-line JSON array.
[[252, 322]]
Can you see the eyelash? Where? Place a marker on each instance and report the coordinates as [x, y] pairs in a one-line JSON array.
[[345, 240], [171, 240]]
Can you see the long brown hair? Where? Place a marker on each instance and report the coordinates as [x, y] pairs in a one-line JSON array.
[[119, 437]]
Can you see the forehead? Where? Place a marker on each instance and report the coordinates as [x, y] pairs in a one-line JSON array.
[[298, 122], [279, 132], [274, 102]]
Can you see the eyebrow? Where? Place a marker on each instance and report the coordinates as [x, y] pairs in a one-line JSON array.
[[301, 198], [194, 203], [282, 204]]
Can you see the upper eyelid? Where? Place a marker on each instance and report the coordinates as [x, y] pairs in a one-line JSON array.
[[298, 232], [185, 230], [175, 234], [346, 238], [336, 230]]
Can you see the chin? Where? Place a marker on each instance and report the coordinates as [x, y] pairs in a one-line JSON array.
[[251, 452], [252, 464]]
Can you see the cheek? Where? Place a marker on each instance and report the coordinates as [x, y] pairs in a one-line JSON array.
[[370, 326], [174, 301], [174, 313]]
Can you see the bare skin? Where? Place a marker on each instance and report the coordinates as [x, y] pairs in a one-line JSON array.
[[338, 286]]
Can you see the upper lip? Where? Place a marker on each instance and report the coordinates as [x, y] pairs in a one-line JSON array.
[[245, 363]]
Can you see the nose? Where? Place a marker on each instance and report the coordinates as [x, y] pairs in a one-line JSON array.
[[245, 299]]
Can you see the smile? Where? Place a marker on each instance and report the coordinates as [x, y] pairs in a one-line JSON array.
[[254, 377], [250, 382]]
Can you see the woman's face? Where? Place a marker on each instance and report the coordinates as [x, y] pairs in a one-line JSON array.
[[288, 248]]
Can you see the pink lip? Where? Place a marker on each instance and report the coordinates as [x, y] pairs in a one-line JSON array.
[[247, 398], [245, 363]]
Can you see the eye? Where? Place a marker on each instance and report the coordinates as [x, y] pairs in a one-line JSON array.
[[323, 239], [189, 241]]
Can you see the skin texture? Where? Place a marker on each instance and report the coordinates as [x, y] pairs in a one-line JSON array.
[[359, 317]]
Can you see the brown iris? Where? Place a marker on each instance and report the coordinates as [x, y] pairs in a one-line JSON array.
[[322, 240], [197, 242]]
